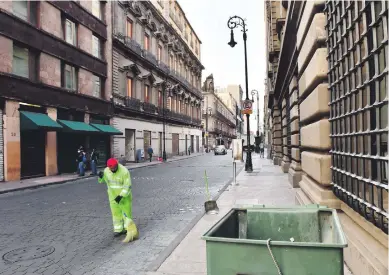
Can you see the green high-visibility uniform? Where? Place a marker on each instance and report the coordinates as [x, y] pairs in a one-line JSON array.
[[119, 184]]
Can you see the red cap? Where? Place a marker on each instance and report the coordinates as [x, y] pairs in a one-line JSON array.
[[112, 163]]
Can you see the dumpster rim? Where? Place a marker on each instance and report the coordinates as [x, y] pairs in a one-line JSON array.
[[342, 238]]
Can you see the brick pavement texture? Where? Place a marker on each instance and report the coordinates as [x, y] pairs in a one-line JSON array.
[[259, 187]]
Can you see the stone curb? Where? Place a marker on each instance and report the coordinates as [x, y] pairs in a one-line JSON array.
[[85, 177], [156, 264]]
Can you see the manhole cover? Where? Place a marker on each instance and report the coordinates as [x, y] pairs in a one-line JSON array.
[[28, 253]]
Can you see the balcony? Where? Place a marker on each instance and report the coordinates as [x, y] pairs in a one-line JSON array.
[[149, 108], [164, 67], [150, 57], [132, 103], [133, 45]]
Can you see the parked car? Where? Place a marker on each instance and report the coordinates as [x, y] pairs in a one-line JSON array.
[[220, 150]]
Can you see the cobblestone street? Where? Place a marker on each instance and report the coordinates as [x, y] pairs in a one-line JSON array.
[[67, 229]]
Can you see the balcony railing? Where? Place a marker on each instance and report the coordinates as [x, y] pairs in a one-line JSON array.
[[133, 45], [149, 108], [132, 103], [150, 57]]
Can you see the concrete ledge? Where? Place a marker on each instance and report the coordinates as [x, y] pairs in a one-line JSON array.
[[316, 103], [301, 198], [294, 177], [316, 135], [285, 166], [319, 194], [364, 254], [317, 166]]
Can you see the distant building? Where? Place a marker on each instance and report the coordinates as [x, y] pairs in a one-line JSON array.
[[219, 119]]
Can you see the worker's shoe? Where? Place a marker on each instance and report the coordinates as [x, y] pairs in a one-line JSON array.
[[118, 234], [132, 233]]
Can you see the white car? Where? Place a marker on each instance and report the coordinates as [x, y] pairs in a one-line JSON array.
[[220, 150]]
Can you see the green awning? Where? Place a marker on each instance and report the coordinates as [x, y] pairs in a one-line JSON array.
[[77, 126], [36, 121], [107, 129]]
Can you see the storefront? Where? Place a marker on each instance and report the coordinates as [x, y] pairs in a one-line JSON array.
[[34, 125]]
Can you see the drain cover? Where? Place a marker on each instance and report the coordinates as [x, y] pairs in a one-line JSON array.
[[28, 253]]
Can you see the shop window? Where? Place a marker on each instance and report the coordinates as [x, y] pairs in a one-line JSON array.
[[69, 77], [26, 10], [70, 32], [97, 87], [129, 87]]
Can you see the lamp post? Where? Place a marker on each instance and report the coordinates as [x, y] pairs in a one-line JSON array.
[[253, 92], [208, 113], [164, 158], [233, 23]]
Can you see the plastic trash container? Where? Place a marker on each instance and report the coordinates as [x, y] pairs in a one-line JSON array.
[[303, 241]]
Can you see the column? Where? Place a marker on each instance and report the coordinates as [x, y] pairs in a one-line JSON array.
[[51, 147], [277, 133], [12, 162], [285, 163], [295, 172]]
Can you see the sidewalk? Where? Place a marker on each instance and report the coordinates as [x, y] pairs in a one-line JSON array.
[[11, 186], [265, 185]]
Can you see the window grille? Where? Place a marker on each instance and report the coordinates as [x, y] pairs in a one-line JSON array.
[[357, 53]]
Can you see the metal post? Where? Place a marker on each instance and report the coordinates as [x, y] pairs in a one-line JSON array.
[[257, 113], [163, 121], [206, 129]]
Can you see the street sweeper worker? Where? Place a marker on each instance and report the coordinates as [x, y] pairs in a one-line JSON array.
[[118, 180]]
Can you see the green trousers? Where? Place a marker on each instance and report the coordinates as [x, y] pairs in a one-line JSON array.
[[121, 212]]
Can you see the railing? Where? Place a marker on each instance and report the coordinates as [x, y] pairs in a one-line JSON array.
[[133, 45], [150, 57], [149, 108], [132, 103]]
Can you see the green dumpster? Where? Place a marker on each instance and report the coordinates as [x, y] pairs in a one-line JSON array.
[[264, 241]]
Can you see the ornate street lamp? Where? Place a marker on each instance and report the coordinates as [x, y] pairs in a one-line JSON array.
[[235, 22], [165, 87], [257, 138]]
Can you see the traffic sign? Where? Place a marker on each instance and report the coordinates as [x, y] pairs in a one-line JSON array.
[[247, 107]]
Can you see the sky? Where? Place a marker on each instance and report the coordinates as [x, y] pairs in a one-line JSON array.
[[209, 20]]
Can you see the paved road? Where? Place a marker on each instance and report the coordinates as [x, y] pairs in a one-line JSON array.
[[69, 226]]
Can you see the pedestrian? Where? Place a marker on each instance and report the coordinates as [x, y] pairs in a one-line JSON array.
[[81, 160], [261, 150], [118, 180], [150, 152], [94, 157], [189, 149]]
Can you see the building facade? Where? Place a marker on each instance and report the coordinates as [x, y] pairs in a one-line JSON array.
[[156, 79], [232, 97], [328, 102], [219, 121], [56, 85]]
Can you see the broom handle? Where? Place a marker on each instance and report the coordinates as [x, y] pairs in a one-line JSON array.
[[206, 184]]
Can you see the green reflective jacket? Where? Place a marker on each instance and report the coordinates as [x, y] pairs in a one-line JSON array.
[[119, 183]]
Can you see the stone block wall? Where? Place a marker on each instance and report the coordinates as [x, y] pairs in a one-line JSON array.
[[294, 172], [315, 127]]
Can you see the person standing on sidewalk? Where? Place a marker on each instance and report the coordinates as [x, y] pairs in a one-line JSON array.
[[150, 152], [81, 159], [94, 157], [261, 150], [189, 149], [118, 180]]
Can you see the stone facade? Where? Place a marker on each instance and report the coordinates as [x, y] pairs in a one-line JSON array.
[[50, 70], [5, 54], [322, 117]]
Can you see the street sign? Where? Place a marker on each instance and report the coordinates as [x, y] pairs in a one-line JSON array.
[[247, 107]]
